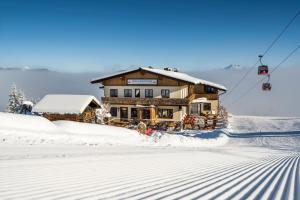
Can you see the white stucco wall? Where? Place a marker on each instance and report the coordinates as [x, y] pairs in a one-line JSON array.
[[175, 91]]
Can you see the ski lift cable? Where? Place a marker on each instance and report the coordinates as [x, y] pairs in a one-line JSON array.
[[265, 52], [261, 80]]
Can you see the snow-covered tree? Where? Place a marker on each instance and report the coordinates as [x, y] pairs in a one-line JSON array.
[[16, 98], [102, 113]]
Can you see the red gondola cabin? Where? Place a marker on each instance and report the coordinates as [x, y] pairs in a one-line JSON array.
[[263, 70]]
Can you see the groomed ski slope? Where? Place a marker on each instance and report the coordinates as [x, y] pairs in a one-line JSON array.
[[246, 167]]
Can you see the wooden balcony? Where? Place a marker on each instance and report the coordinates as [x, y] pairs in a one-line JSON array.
[[146, 101], [208, 96]]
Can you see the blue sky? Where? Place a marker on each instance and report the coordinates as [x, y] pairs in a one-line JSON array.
[[107, 35]]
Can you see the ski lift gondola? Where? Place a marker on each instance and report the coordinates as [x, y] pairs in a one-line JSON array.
[[262, 69], [267, 85]]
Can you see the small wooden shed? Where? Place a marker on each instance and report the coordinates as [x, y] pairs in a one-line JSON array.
[[80, 108]]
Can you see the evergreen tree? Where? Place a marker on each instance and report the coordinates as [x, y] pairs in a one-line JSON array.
[[16, 98]]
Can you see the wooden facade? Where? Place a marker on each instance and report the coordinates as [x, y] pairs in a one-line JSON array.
[[183, 92], [121, 80], [86, 116]]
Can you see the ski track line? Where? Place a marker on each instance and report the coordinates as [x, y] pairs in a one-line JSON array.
[[269, 177], [179, 182], [159, 189], [255, 187], [127, 185], [262, 188], [289, 190], [275, 183], [109, 182], [201, 185], [155, 197], [237, 183], [116, 182], [50, 170], [68, 181], [141, 187], [297, 183], [35, 188], [277, 187], [241, 184]]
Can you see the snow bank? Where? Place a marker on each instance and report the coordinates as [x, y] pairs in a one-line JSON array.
[[84, 133], [193, 141], [23, 129], [25, 122]]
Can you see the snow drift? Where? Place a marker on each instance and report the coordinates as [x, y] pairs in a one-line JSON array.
[[15, 128]]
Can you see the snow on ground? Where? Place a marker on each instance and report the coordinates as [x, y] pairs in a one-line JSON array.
[[191, 165], [22, 129], [257, 124]]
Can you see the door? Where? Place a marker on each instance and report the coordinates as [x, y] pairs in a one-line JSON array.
[[146, 114], [124, 113]]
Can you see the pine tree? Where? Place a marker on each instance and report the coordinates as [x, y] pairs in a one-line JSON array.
[[12, 101], [16, 98]]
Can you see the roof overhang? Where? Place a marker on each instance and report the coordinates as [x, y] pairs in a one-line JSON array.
[[152, 70]]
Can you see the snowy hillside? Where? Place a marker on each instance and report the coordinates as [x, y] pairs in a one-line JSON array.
[[69, 160]]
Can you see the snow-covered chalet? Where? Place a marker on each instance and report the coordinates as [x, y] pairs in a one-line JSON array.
[[80, 108], [156, 95]]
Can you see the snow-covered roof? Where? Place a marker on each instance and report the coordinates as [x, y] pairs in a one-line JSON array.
[[64, 103], [29, 103], [172, 74]]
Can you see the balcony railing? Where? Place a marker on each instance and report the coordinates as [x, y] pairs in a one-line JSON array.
[[146, 101], [157, 101], [208, 96]]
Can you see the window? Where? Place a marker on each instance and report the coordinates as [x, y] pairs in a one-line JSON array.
[[165, 113], [127, 93], [137, 93], [194, 109], [206, 106], [148, 93], [113, 92], [133, 112], [165, 93], [209, 89], [114, 111]]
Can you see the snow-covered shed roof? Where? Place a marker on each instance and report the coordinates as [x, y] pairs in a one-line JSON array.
[[171, 74], [64, 103]]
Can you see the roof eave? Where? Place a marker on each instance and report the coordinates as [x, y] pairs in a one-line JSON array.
[[99, 80]]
